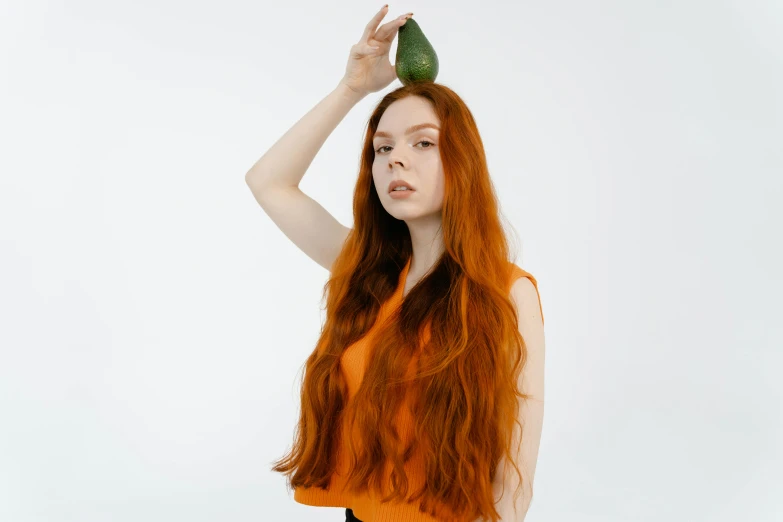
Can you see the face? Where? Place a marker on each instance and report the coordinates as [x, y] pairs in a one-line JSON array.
[[411, 157]]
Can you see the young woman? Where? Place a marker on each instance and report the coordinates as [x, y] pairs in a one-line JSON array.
[[423, 398]]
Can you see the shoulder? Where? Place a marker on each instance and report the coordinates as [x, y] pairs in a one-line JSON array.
[[530, 317], [525, 295]]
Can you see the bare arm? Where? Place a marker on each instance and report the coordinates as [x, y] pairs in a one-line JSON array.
[[274, 179], [531, 325], [285, 163]]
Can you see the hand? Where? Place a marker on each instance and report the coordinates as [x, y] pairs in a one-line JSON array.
[[368, 69]]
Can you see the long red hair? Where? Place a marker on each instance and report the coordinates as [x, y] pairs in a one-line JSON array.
[[465, 387]]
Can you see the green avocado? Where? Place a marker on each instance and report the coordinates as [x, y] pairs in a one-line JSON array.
[[416, 60]]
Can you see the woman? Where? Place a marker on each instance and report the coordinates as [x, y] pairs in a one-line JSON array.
[[428, 376]]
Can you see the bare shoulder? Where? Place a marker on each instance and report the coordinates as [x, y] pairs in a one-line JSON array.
[[525, 296]]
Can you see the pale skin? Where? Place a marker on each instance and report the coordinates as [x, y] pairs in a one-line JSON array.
[[531, 327], [401, 156], [415, 159], [274, 181]]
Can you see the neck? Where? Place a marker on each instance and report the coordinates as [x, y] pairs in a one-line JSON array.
[[427, 243]]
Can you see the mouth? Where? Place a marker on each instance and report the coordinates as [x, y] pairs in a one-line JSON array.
[[399, 184], [400, 194]]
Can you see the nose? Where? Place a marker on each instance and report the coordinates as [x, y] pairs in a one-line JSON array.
[[395, 157]]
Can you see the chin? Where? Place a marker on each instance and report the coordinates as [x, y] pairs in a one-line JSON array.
[[401, 214]]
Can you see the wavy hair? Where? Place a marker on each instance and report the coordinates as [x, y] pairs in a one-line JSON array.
[[465, 395]]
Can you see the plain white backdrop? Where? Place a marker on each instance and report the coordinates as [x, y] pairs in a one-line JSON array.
[[154, 322]]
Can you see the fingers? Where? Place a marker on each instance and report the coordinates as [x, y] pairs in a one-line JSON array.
[[388, 30], [362, 49], [373, 23]]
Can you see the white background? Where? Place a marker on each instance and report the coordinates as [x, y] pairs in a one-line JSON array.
[[154, 321]]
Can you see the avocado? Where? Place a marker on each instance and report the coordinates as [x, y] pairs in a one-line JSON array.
[[416, 60]]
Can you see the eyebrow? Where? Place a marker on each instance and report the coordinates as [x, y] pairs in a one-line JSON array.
[[409, 130]]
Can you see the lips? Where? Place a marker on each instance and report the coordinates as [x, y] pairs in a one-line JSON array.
[[399, 183]]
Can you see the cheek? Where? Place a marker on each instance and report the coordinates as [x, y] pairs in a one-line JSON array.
[[439, 185]]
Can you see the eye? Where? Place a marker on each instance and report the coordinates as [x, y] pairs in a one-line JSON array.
[[378, 150]]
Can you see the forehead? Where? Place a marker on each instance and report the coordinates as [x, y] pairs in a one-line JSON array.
[[406, 116]]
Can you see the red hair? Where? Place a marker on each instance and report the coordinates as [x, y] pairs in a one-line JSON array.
[[465, 387]]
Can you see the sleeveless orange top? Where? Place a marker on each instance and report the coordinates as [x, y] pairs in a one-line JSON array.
[[366, 506]]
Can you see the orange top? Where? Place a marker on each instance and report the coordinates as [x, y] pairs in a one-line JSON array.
[[366, 506]]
